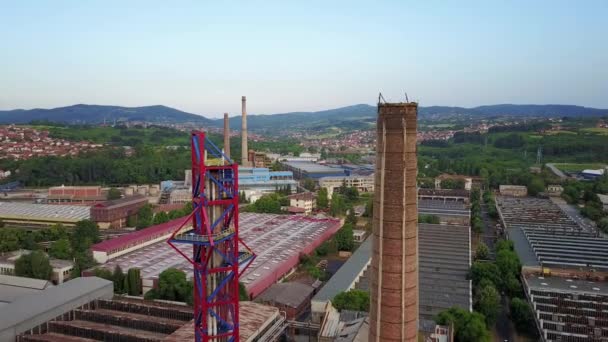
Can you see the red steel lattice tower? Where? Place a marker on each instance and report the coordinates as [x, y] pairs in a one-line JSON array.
[[214, 236]]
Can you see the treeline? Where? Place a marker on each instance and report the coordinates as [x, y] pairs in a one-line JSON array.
[[67, 244]]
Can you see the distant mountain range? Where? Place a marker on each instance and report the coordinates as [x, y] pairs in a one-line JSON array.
[[92, 114], [351, 116]]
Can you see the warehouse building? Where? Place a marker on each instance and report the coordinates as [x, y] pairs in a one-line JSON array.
[[114, 214], [303, 170], [513, 190], [85, 310], [567, 309], [444, 263], [83, 195], [28, 214], [543, 235], [124, 244], [277, 240], [12, 288], [262, 180], [33, 313], [293, 298]]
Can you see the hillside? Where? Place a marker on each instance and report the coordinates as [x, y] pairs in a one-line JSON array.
[[361, 115], [91, 114], [356, 116]]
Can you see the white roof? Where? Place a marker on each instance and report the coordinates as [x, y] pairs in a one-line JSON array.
[[597, 172], [603, 198]]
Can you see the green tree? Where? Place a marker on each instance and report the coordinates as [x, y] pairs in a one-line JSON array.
[[351, 218], [522, 316], [34, 265], [243, 295], [61, 249], [161, 217], [144, 216], [369, 208], [103, 273], [487, 302], [338, 206], [356, 300], [173, 214], [484, 270], [309, 184], [603, 224], [508, 263], [133, 280], [322, 199], [118, 277], [86, 233], [114, 193], [482, 252], [173, 285], [536, 186], [269, 204], [344, 238], [468, 326]]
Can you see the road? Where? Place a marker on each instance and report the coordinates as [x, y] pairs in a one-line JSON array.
[[573, 212], [489, 229], [556, 171], [503, 328]]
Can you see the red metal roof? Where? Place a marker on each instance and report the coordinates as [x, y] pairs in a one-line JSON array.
[[124, 240]]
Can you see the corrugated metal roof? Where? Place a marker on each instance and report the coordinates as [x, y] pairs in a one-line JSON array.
[[127, 239], [31, 283], [27, 307], [290, 294], [67, 213], [347, 273]]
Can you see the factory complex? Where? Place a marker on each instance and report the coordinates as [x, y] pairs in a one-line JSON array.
[[278, 241], [564, 267]]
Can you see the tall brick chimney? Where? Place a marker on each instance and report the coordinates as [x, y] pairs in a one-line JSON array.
[[226, 135], [394, 267], [244, 148]]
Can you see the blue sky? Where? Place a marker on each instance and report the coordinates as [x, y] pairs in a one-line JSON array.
[[201, 56]]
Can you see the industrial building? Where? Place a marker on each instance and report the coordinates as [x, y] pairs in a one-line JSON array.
[[114, 214], [445, 260], [18, 213], [305, 201], [293, 298], [114, 248], [567, 309], [513, 190], [33, 313], [303, 170], [12, 288], [84, 195], [61, 269], [543, 235], [84, 309], [362, 183], [450, 206], [262, 180], [278, 240]]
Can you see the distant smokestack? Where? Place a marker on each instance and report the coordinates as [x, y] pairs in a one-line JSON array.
[[244, 148], [394, 266], [226, 135]]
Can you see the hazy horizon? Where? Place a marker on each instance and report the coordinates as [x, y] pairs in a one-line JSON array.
[[285, 57]]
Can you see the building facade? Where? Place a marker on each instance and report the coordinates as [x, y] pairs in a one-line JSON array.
[[513, 190], [362, 183], [85, 195], [114, 214], [304, 200], [254, 179]]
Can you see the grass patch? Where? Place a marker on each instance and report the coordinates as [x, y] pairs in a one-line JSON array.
[[595, 130]]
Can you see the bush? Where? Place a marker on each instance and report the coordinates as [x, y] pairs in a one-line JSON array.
[[356, 300], [468, 326]]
